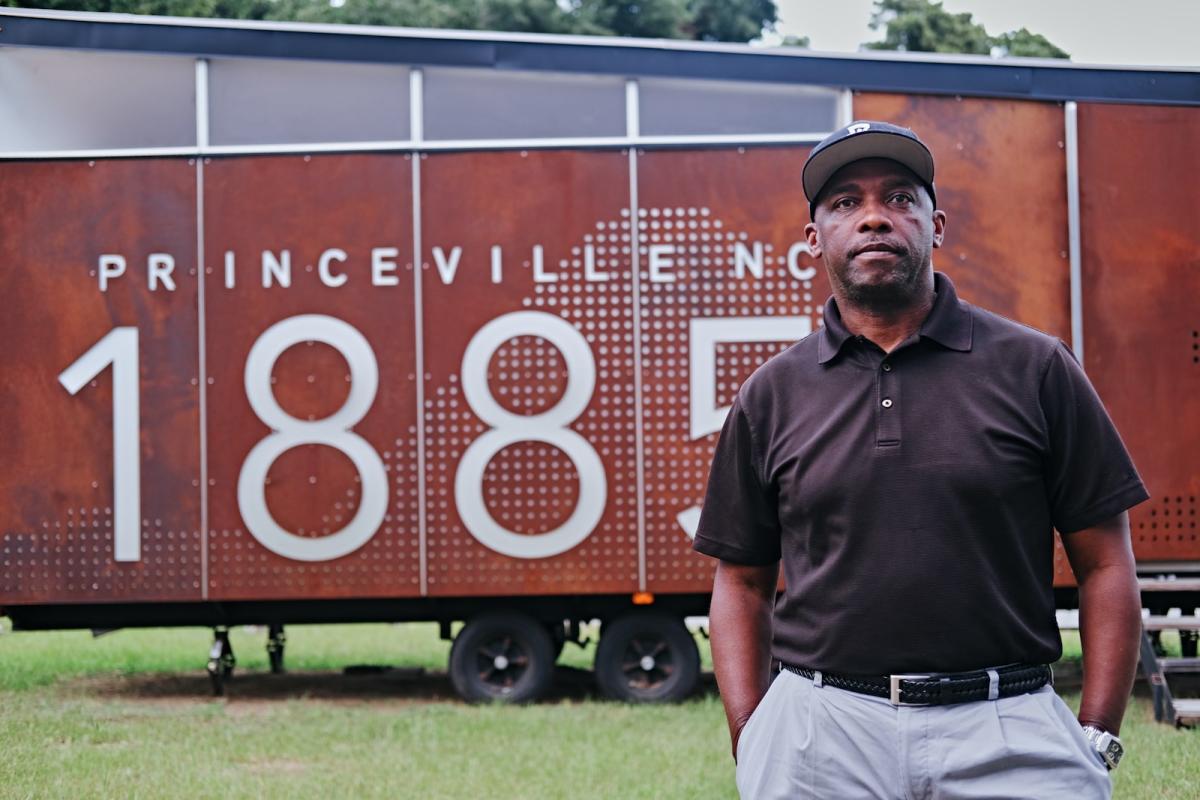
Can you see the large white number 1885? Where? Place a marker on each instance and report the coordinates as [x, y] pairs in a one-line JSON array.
[[120, 348]]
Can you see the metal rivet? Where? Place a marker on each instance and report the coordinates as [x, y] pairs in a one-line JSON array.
[[887, 402]]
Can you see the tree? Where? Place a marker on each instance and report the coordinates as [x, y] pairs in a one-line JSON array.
[[172, 8], [710, 20], [925, 26], [731, 20], [531, 16], [1026, 43]]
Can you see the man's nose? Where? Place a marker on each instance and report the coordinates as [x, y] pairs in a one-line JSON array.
[[874, 216]]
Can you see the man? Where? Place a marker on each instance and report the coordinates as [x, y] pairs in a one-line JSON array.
[[907, 463]]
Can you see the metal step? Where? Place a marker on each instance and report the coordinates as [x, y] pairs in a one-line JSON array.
[[1179, 665], [1169, 584], [1187, 712], [1187, 623]]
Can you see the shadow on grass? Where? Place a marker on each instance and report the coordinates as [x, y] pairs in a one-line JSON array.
[[353, 685]]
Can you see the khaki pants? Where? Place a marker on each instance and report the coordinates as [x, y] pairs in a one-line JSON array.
[[808, 741]]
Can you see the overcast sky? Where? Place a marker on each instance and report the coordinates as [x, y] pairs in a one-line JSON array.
[[1152, 32]]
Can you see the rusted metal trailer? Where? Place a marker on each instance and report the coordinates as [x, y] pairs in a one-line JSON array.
[[317, 323]]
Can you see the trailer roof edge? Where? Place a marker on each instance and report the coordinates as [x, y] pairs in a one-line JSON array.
[[924, 73]]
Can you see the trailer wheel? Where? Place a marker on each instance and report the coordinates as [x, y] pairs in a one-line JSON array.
[[502, 656], [647, 658]]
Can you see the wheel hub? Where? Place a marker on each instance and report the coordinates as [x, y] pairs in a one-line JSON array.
[[647, 663], [500, 662]]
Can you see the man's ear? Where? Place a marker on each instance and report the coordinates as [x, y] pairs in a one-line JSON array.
[[939, 228], [814, 241]]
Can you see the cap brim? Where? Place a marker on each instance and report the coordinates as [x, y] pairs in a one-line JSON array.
[[871, 144]]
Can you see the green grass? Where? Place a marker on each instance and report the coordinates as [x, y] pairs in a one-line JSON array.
[[70, 747], [128, 715]]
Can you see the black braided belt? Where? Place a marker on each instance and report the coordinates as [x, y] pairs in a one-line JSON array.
[[936, 689]]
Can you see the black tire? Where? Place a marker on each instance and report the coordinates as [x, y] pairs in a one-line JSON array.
[[502, 656], [647, 658]]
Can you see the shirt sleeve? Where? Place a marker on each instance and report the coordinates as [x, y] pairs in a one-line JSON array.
[[1089, 474], [739, 522]]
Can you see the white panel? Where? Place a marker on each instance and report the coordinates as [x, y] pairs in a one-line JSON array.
[[281, 101], [671, 106], [73, 100], [501, 104]]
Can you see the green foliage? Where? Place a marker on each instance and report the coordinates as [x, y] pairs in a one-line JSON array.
[[402, 13], [731, 20], [530, 16], [1029, 44], [709, 20], [924, 26], [166, 8], [654, 19]]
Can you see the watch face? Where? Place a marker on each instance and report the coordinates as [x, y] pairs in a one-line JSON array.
[[1113, 752]]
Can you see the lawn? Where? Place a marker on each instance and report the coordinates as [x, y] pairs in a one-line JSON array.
[[129, 715]]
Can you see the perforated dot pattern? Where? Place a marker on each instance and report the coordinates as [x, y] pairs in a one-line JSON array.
[[388, 565], [705, 284], [71, 559], [532, 487], [530, 507], [1163, 521]]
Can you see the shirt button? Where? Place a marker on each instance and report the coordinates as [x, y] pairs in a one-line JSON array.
[[887, 367], [887, 402]]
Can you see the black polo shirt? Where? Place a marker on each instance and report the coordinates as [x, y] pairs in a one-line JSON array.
[[912, 495]]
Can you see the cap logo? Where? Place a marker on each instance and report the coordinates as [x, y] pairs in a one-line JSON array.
[[858, 127]]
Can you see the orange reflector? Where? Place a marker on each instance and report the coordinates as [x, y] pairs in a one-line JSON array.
[[643, 598]]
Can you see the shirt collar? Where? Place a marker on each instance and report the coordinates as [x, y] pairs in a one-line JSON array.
[[949, 323]]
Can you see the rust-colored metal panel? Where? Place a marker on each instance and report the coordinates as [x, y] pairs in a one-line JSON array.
[[301, 508], [531, 465], [1140, 210], [1001, 178], [61, 516], [710, 317]]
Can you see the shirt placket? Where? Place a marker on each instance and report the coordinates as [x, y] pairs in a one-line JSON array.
[[887, 408]]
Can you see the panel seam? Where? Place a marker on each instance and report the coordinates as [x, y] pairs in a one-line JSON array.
[[202, 379], [632, 125]]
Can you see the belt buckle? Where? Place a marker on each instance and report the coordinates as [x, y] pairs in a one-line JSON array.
[[894, 685]]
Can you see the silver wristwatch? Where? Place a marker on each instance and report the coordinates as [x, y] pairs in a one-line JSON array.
[[1107, 746]]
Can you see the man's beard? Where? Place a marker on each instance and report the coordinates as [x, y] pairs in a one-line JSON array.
[[903, 291]]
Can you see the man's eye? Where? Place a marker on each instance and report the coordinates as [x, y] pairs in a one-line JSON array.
[[902, 197], [843, 202]]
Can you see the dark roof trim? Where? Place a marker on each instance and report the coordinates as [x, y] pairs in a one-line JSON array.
[[1012, 78]]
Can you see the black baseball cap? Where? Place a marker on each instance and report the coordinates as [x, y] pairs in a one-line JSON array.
[[861, 139]]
